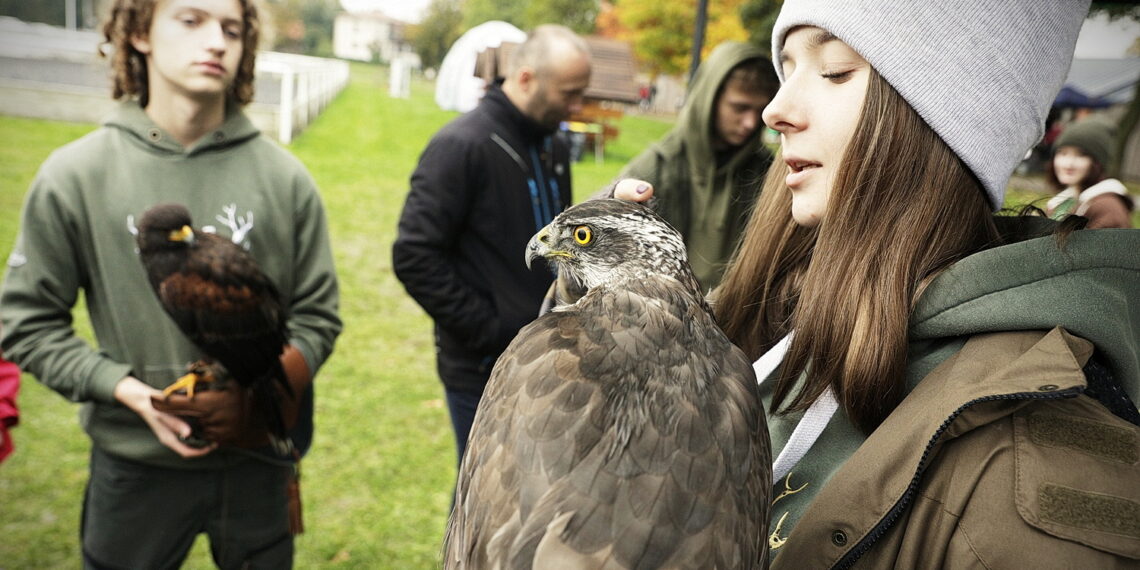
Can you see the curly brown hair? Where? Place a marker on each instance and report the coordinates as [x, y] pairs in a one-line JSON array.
[[132, 18]]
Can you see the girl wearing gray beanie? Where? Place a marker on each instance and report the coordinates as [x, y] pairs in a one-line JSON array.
[[946, 388], [1076, 174]]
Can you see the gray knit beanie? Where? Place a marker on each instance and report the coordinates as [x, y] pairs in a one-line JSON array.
[[1092, 136], [982, 74]]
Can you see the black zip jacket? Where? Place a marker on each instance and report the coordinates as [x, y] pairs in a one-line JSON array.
[[484, 185]]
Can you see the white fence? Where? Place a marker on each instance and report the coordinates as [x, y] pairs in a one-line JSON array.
[[307, 86], [54, 73]]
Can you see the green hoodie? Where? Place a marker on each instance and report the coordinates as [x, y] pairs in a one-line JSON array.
[[705, 197], [77, 233], [1091, 288]]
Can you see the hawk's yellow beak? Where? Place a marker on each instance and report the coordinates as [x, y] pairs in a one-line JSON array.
[[183, 234], [537, 247]]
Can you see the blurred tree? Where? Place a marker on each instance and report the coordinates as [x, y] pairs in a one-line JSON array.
[[303, 26], [662, 32], [578, 15], [607, 24], [440, 27], [724, 24], [1127, 125], [476, 12], [759, 17]]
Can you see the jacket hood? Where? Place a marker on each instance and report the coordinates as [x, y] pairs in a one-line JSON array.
[[131, 118], [1090, 286], [696, 124]]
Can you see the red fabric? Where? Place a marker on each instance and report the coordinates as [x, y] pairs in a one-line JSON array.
[[9, 413]]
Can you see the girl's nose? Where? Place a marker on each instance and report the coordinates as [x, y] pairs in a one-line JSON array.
[[780, 114]]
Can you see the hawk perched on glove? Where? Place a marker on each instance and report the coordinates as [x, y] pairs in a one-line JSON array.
[[222, 301], [622, 431]]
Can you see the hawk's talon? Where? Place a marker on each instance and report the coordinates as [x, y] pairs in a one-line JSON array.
[[188, 382]]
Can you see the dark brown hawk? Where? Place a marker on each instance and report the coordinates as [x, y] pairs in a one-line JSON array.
[[622, 431], [222, 301]]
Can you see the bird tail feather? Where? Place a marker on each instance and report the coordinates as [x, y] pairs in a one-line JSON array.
[[270, 392]]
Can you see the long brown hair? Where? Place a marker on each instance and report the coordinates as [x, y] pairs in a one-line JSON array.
[[904, 207], [132, 18]]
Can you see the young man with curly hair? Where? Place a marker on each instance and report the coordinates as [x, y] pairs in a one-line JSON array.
[[184, 70]]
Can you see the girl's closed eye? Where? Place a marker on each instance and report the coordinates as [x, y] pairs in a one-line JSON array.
[[837, 76]]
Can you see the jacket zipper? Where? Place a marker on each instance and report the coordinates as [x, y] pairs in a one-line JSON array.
[[848, 560]]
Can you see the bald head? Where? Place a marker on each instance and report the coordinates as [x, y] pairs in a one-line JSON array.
[[545, 47], [547, 75]]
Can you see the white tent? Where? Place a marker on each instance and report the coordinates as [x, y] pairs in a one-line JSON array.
[[457, 88]]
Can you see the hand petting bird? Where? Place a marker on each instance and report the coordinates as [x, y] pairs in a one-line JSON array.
[[621, 431], [218, 296]]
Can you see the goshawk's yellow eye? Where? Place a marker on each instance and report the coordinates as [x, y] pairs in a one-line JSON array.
[[583, 235]]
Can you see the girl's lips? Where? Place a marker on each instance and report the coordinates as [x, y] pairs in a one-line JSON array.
[[800, 171]]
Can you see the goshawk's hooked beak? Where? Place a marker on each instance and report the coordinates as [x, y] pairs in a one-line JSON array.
[[538, 246]]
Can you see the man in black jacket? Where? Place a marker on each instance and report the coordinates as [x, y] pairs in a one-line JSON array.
[[484, 185]]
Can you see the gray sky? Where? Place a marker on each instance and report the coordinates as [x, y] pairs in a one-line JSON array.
[[1103, 39]]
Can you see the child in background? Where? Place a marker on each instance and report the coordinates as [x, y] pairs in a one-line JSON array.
[[1077, 174]]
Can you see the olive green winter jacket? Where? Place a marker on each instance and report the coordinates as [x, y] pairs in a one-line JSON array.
[[1005, 453]]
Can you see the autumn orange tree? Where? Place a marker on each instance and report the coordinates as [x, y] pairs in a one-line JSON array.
[[662, 31]]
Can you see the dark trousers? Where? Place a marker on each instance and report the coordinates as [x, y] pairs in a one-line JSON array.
[[462, 405], [142, 516]]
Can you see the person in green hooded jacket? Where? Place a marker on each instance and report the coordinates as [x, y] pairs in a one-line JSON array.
[[183, 69], [707, 170], [946, 388]]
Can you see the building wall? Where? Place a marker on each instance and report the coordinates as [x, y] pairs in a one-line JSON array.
[[364, 37]]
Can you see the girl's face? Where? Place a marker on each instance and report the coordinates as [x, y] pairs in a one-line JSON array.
[[1071, 165], [815, 111]]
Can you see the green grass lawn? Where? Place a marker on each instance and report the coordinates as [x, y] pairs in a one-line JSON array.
[[377, 482]]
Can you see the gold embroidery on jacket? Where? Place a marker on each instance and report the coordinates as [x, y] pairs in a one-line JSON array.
[[775, 541]]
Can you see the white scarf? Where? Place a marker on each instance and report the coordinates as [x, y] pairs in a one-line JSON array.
[[812, 424]]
